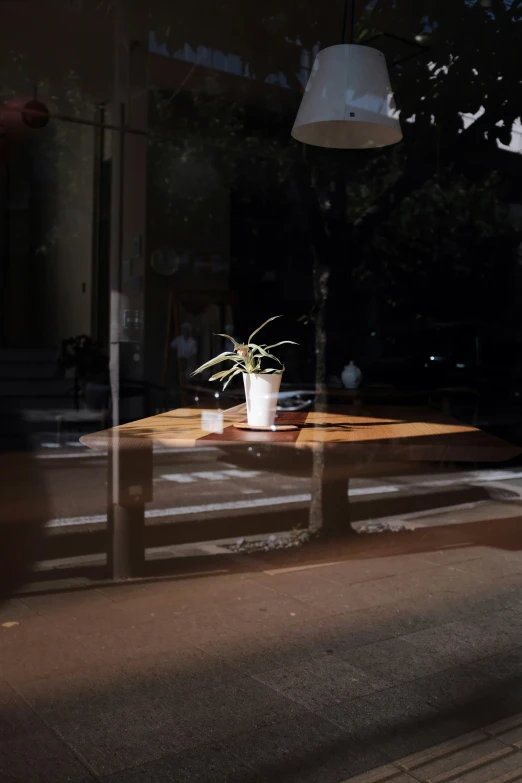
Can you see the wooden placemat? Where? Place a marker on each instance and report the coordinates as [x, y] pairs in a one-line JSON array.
[[273, 428]]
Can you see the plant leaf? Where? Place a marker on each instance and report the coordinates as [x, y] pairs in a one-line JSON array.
[[230, 378], [218, 334], [222, 374], [216, 360], [262, 325], [283, 342], [264, 353]]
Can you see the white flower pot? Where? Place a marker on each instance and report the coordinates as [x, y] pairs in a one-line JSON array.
[[261, 391]]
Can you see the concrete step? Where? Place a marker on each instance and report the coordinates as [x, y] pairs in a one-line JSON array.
[[36, 387], [43, 405], [29, 355], [15, 370]]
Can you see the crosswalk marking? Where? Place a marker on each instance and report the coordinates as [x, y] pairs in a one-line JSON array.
[[176, 511], [236, 473], [210, 475], [373, 490], [180, 478]]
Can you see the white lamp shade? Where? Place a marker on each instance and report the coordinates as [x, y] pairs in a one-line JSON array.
[[348, 102]]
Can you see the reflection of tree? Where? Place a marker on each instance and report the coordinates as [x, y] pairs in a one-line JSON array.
[[412, 210], [60, 154], [439, 242], [201, 145], [468, 70]]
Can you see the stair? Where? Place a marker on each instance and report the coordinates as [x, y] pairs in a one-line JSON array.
[[29, 377]]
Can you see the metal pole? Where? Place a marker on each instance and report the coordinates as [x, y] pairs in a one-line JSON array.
[[117, 567]]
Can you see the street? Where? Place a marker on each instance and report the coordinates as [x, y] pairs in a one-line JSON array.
[[204, 483]]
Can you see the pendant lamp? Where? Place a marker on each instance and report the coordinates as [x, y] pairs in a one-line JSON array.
[[348, 102]]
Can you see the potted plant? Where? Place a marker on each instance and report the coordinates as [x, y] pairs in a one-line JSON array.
[[261, 383]]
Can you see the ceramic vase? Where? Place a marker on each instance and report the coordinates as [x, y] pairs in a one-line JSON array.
[[351, 376], [261, 391]]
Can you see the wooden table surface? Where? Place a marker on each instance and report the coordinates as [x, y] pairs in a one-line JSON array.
[[383, 433]]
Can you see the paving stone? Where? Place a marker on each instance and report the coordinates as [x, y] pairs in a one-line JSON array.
[[215, 624], [345, 632], [336, 598], [84, 694], [226, 590], [176, 673], [457, 556], [465, 756], [484, 765], [396, 660], [413, 614], [460, 642], [114, 647], [469, 759], [395, 728], [234, 707], [26, 631], [274, 613], [203, 593], [439, 728], [465, 742], [382, 719], [107, 617], [322, 681], [310, 750], [499, 630], [206, 764], [368, 569], [16, 717], [493, 564], [127, 592], [71, 600], [35, 649], [14, 610], [456, 686], [128, 736], [40, 757], [441, 608], [384, 774], [468, 694], [383, 591], [505, 770], [250, 652], [506, 667], [438, 579], [497, 597], [508, 730], [55, 584], [296, 582]]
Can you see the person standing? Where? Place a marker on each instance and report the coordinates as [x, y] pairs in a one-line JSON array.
[[186, 348]]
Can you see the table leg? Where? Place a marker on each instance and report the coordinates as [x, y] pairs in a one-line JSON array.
[[129, 487], [330, 507], [335, 508]]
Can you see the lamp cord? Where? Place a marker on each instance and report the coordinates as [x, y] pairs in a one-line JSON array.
[[352, 22]]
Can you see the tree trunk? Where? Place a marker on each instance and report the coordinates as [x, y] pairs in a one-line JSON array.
[[321, 276], [329, 506]]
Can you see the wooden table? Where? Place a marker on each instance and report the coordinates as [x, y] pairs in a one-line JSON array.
[[350, 441]]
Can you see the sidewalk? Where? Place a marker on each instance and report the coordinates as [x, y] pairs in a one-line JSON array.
[[490, 754], [315, 666]]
